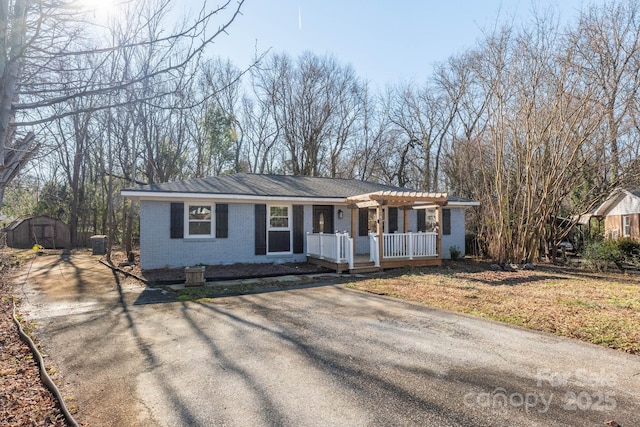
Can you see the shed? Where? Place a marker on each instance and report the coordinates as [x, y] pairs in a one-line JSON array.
[[49, 232]]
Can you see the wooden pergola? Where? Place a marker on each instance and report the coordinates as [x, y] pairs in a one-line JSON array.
[[405, 200]]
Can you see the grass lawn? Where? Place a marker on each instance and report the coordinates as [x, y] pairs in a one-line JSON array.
[[601, 308]]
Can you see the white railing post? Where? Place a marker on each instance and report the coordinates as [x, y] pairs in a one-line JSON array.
[[370, 247], [344, 246], [410, 245], [347, 246], [321, 245], [350, 252], [374, 252], [338, 241]]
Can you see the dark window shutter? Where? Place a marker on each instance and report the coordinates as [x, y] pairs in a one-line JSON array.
[[177, 220], [261, 229], [298, 229], [446, 221], [222, 220], [422, 219], [393, 220], [363, 222]]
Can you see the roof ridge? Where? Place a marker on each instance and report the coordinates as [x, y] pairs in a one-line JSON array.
[[306, 176], [270, 185]]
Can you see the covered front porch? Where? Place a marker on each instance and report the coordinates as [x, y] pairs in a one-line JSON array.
[[385, 249], [336, 251]]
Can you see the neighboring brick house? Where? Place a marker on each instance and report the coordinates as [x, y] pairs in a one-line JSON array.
[[251, 218], [621, 213]]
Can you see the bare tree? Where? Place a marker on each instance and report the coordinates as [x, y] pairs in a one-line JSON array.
[[214, 127], [37, 39], [260, 133], [424, 117], [314, 103], [368, 155], [539, 117], [607, 45]]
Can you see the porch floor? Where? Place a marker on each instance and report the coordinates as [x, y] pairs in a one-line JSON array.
[[361, 263]]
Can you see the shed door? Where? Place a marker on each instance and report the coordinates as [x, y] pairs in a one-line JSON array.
[[323, 219], [43, 234]]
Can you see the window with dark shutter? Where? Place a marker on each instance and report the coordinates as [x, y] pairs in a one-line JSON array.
[[446, 222], [177, 221], [393, 219], [298, 229], [260, 229], [422, 219], [363, 222], [222, 220]]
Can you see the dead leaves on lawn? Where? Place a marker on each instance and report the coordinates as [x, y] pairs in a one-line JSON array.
[[24, 401], [603, 309]]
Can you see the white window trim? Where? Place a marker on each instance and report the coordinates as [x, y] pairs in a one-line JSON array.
[[211, 206], [626, 226], [289, 228]]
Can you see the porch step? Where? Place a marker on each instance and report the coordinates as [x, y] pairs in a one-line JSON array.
[[358, 267], [358, 270], [364, 267]]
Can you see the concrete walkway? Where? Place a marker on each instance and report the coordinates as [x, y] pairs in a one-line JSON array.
[[316, 356]]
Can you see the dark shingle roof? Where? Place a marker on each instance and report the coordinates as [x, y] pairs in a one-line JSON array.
[[456, 199], [245, 184], [269, 185]]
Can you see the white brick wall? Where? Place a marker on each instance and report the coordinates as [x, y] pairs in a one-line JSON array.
[[456, 238], [158, 250]]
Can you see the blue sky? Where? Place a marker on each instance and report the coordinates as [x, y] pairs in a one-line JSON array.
[[386, 42]]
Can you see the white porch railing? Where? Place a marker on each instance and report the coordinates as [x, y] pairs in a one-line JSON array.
[[409, 245], [337, 247]]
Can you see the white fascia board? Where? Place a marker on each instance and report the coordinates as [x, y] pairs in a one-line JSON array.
[[237, 198]]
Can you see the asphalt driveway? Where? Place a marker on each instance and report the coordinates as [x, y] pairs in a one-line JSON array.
[[309, 357]]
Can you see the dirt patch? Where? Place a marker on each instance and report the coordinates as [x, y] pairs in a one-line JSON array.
[[213, 272], [235, 271]]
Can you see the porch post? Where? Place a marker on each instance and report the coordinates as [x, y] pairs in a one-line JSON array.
[[354, 230], [379, 230], [405, 219], [439, 236], [405, 227]]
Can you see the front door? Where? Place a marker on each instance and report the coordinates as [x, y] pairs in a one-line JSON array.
[[323, 219]]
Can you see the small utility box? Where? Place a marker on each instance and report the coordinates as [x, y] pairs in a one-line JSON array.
[[195, 276], [99, 244]]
